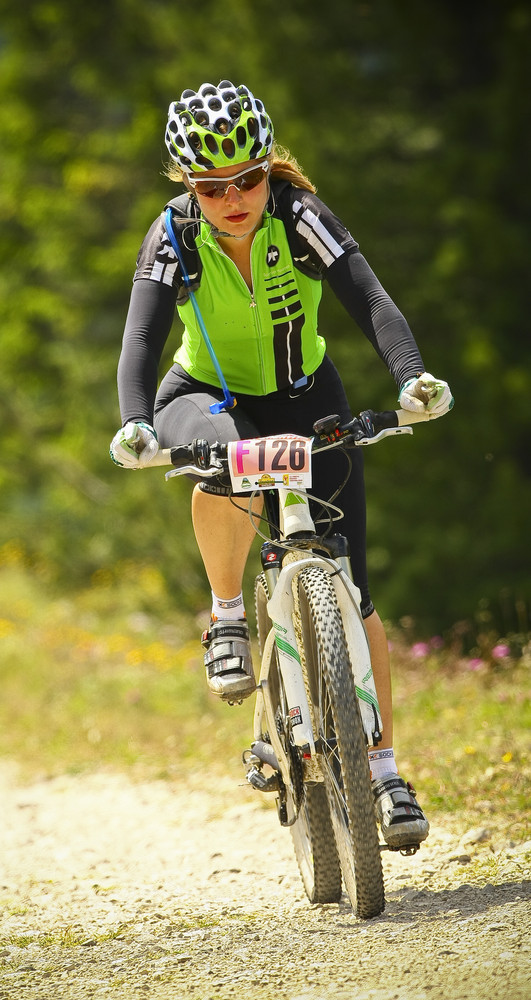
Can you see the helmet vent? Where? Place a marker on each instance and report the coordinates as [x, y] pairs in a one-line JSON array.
[[228, 148], [255, 150], [211, 143], [215, 126], [203, 161]]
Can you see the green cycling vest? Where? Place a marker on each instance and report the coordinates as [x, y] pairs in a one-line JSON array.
[[264, 340]]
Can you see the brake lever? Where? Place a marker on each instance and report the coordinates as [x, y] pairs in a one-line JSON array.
[[386, 432]]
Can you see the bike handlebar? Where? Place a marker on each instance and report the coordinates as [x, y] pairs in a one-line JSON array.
[[201, 458]]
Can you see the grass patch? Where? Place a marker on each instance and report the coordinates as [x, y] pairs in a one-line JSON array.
[[462, 737], [88, 682], [65, 937], [487, 869]]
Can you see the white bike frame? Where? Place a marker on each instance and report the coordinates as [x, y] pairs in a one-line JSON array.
[[296, 518]]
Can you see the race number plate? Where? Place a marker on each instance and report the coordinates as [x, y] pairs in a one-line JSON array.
[[269, 462]]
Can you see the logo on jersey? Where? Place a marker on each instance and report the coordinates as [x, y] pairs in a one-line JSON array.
[[273, 254]]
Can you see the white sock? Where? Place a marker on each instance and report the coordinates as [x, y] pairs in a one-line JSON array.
[[228, 610], [382, 763]]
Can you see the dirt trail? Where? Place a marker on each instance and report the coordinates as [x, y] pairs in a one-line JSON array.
[[117, 889]]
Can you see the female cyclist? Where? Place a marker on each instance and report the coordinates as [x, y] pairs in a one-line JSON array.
[[261, 244]]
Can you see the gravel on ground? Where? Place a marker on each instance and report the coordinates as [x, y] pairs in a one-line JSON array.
[[112, 887]]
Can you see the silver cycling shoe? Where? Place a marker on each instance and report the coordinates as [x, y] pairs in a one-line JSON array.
[[228, 661], [402, 822]]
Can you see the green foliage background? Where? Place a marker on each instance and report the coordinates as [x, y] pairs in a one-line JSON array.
[[412, 119]]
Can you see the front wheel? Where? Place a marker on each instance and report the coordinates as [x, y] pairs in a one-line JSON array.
[[312, 832], [342, 745]]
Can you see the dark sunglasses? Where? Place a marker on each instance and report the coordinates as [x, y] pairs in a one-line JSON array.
[[214, 187]]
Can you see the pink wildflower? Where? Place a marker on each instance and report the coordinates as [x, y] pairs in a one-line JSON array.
[[475, 664], [419, 650], [500, 651]]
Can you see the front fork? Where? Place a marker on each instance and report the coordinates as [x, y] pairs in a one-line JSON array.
[[282, 636], [280, 585]]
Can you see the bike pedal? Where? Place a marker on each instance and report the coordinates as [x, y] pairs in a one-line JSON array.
[[258, 780], [407, 850]]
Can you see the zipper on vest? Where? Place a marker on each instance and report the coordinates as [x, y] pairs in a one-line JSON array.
[[256, 319], [256, 316], [258, 330]]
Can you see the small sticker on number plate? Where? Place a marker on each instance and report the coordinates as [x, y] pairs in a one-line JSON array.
[[269, 462]]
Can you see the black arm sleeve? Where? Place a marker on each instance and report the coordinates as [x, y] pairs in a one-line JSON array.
[[149, 320], [359, 290], [335, 255]]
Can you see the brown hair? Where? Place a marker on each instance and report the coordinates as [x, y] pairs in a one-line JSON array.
[[284, 166]]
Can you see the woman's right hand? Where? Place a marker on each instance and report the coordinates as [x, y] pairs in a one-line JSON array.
[[135, 445]]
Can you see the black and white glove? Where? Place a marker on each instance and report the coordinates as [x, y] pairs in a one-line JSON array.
[[426, 394], [134, 445]]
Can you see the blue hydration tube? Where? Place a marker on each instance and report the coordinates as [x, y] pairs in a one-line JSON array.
[[228, 401]]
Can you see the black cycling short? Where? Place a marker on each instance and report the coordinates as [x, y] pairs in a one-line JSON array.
[[182, 413]]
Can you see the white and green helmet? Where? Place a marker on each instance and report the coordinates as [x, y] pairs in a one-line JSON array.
[[217, 127]]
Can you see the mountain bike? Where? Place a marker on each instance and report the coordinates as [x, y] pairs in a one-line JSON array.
[[316, 708]]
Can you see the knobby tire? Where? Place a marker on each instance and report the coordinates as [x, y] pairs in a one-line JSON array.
[[312, 833], [338, 725]]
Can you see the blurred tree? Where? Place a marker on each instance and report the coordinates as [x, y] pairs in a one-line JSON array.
[[418, 137], [411, 118]]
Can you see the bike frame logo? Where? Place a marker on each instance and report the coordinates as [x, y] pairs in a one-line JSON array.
[[295, 716]]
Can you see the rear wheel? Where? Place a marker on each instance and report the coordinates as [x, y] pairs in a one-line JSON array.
[[339, 728], [312, 832], [315, 847]]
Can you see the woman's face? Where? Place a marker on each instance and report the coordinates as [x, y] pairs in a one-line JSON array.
[[237, 212]]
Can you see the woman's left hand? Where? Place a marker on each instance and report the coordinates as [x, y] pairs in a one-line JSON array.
[[426, 394]]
